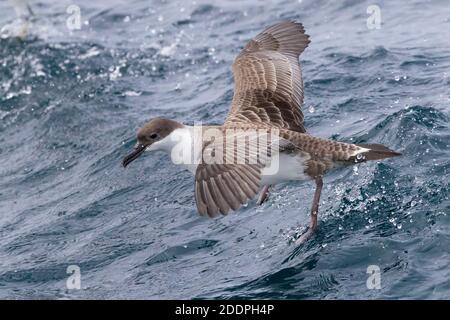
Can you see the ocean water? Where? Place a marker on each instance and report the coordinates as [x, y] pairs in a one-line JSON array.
[[71, 101]]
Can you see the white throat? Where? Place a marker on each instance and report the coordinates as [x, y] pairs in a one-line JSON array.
[[183, 146]]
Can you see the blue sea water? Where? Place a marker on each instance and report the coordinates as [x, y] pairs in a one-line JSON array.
[[70, 104]]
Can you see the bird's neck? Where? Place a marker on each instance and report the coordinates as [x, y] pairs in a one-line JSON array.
[[183, 146]]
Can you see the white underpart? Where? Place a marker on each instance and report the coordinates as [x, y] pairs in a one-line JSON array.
[[290, 167]]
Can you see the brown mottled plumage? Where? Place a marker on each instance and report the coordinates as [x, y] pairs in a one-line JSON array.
[[268, 96], [268, 81]]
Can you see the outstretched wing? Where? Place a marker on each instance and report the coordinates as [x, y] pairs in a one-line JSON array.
[[268, 80]]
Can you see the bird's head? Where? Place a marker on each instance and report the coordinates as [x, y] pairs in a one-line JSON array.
[[151, 137]]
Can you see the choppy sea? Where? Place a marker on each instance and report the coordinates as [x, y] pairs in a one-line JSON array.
[[72, 98]]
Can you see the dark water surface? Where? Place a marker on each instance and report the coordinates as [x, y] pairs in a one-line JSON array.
[[70, 103]]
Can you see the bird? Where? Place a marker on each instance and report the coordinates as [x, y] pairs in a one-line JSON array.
[[20, 27], [266, 110]]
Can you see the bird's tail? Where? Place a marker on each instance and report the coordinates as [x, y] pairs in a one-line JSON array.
[[375, 152]]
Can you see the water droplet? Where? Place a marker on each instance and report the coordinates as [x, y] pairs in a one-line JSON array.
[[370, 221], [397, 78], [399, 226], [311, 109]]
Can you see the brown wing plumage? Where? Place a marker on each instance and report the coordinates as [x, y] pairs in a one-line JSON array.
[[221, 187], [268, 80], [232, 176]]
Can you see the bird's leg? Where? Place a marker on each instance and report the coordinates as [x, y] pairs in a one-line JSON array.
[[263, 195], [314, 212]]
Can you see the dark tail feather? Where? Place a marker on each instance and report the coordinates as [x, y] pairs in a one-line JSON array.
[[376, 152]]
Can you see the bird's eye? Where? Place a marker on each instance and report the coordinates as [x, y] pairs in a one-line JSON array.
[[154, 136]]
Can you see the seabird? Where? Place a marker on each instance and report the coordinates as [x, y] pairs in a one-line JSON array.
[[20, 27], [266, 111]]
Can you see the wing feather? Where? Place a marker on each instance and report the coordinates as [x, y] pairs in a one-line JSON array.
[[268, 80]]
